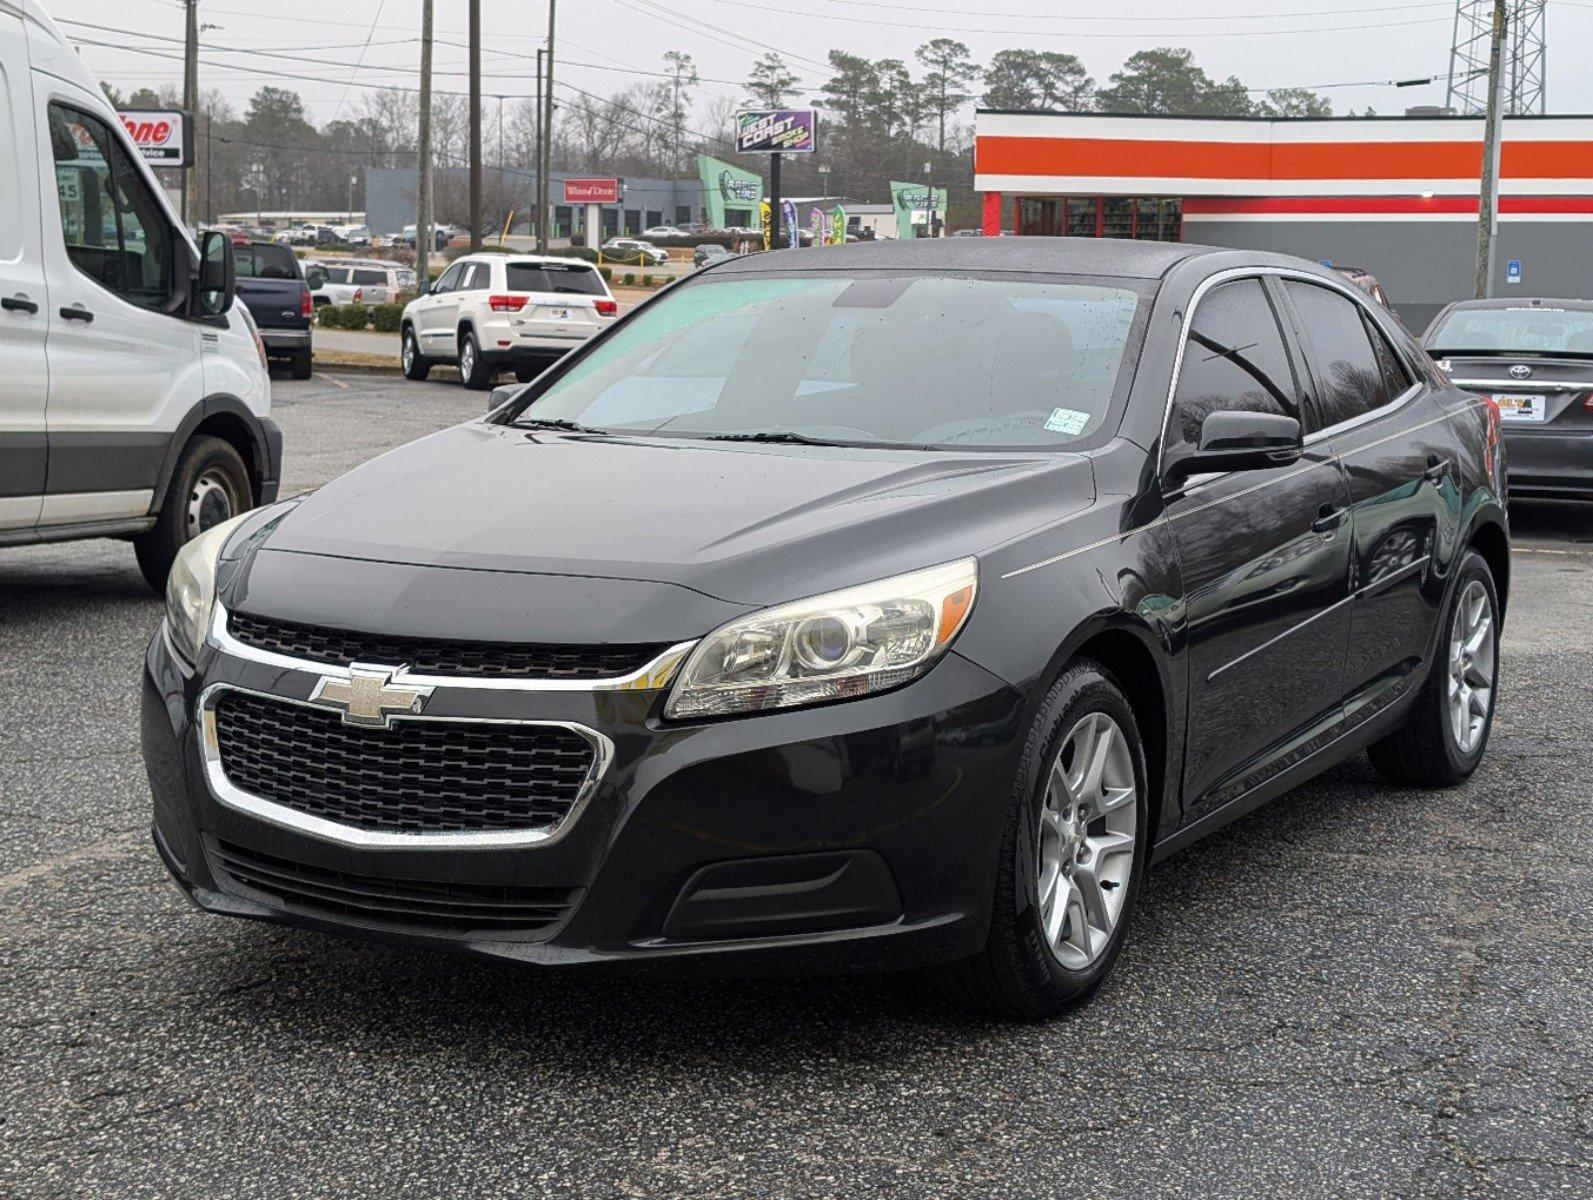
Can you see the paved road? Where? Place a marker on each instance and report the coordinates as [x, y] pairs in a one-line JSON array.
[[1359, 991]]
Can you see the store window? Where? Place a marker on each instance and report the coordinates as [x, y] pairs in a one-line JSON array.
[[1142, 218]]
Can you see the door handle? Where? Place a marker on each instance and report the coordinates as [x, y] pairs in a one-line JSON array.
[[77, 313], [1437, 468], [1328, 520], [18, 304]]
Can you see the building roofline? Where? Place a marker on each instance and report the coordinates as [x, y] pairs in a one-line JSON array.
[[1054, 112]]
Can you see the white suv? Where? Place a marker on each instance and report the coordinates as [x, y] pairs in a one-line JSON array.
[[363, 282], [493, 312]]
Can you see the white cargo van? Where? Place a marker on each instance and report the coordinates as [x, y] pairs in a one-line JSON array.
[[134, 397]]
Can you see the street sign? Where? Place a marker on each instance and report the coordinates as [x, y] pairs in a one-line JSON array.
[[164, 137], [591, 191], [777, 131], [1513, 271]]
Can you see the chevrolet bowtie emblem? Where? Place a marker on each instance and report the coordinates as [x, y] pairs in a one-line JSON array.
[[369, 696]]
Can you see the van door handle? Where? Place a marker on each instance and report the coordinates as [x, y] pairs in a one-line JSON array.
[[77, 313], [18, 304], [1437, 468], [1328, 520]]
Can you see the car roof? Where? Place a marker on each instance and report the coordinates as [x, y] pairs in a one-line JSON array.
[[1524, 302], [1040, 255]]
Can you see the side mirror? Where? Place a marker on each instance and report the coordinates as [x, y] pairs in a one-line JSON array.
[[1238, 441], [218, 275], [500, 396], [316, 278]]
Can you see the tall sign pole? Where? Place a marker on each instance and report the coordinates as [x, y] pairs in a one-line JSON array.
[[475, 124], [190, 89], [1488, 198], [423, 233], [544, 200], [774, 201]]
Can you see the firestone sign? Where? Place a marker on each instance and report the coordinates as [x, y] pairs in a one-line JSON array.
[[591, 191], [163, 136]]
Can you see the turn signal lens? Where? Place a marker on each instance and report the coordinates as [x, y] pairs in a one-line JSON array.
[[832, 647]]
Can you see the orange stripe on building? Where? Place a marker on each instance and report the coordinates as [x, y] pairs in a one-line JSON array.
[[1133, 158]]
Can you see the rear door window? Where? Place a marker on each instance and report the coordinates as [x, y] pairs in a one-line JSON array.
[[1350, 381], [535, 277], [265, 262], [366, 278]]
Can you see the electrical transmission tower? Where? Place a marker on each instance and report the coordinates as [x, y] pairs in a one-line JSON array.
[[1524, 90]]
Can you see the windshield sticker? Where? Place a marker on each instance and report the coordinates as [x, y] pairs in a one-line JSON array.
[[1067, 420]]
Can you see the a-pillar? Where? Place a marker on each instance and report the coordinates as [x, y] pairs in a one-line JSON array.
[[990, 223]]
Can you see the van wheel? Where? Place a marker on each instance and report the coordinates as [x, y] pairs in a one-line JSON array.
[[301, 364], [416, 365], [1071, 856], [473, 369], [209, 486]]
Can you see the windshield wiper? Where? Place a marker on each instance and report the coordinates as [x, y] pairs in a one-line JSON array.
[[555, 423], [765, 435]]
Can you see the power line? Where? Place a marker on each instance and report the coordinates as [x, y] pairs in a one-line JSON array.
[[360, 61], [1116, 19], [670, 17]]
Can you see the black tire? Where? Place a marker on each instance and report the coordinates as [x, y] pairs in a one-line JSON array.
[[301, 364], [416, 365], [474, 371], [1017, 975], [1424, 752], [210, 485], [526, 374]]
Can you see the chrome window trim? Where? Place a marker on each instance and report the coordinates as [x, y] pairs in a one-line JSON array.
[[1349, 290], [227, 794], [1526, 385], [653, 676]]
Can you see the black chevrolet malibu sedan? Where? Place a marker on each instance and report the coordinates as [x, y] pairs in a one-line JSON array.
[[884, 606]]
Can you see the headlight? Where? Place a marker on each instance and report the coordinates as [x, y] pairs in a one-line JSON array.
[[834, 647], [191, 589]]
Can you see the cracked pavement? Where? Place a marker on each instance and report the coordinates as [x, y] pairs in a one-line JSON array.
[[1356, 991]]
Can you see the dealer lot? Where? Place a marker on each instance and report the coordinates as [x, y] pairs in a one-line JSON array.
[[1358, 990]]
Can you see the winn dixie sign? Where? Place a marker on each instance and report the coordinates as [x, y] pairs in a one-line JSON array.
[[163, 136], [591, 191]]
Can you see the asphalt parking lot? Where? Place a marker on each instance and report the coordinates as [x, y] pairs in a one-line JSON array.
[[1357, 991]]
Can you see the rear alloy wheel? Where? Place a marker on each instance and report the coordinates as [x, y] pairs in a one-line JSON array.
[[210, 485], [416, 365], [1071, 855], [473, 370], [1443, 739]]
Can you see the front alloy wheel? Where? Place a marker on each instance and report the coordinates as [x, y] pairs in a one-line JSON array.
[[1471, 666]]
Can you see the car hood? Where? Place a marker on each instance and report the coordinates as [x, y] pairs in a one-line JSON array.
[[742, 523]]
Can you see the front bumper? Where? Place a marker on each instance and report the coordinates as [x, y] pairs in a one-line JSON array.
[[852, 836], [1548, 462]]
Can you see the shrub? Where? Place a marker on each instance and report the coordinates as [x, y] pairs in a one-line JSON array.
[[584, 253], [385, 317], [354, 316], [647, 281], [329, 316], [607, 273], [629, 279]]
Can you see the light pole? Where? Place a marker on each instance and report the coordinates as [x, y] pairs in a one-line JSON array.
[[1488, 194], [929, 204]]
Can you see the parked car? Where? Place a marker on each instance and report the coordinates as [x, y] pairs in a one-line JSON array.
[[135, 402], [493, 312], [890, 607], [633, 252], [440, 237], [354, 235], [968, 233], [663, 231], [273, 286], [1367, 282], [709, 252], [367, 281], [1533, 358]]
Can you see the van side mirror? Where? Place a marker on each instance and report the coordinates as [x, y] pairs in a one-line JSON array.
[[500, 396], [218, 275], [1238, 441]]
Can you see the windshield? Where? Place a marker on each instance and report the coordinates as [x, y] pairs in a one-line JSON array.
[[1539, 329], [877, 358], [535, 277]]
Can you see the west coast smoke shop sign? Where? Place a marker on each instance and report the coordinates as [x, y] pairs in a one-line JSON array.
[[728, 188], [912, 204]]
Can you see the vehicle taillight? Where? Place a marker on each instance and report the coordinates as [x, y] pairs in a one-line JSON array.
[[1492, 452], [506, 303], [306, 304], [1587, 402], [607, 308], [359, 295]]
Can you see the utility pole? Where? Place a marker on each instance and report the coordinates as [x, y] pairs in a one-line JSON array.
[[190, 87], [536, 191], [475, 124], [544, 209], [774, 201], [1488, 197], [423, 233]]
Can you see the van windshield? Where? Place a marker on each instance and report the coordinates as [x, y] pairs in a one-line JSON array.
[[877, 358]]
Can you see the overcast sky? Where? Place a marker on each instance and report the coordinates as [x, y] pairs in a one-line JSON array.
[[1267, 43]]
